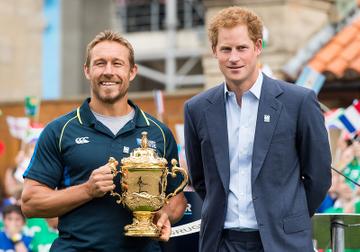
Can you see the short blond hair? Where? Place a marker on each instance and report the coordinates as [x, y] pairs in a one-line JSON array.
[[109, 35], [231, 17]]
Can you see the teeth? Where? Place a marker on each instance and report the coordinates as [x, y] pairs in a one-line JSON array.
[[106, 83]]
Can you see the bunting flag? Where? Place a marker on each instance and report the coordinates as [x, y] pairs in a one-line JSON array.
[[32, 105], [32, 134], [311, 79], [332, 118], [18, 126], [351, 118], [159, 102]]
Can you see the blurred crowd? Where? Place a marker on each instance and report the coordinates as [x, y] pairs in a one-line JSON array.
[[344, 194], [18, 233]]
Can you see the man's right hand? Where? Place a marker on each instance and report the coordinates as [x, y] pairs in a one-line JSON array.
[[100, 182]]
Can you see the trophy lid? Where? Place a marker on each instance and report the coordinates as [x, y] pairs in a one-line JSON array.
[[144, 157]]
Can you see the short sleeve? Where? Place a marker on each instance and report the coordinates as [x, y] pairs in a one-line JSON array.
[[46, 165]]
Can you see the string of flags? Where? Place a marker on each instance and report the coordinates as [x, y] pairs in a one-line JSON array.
[[345, 119], [26, 128]]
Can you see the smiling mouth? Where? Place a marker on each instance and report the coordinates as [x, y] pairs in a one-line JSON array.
[[235, 67], [108, 83]]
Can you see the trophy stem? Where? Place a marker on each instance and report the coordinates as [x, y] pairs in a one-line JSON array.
[[142, 225]]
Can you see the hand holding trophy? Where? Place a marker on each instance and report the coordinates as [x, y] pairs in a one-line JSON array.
[[143, 184]]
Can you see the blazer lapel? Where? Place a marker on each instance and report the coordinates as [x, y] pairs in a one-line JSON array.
[[268, 115], [217, 126]]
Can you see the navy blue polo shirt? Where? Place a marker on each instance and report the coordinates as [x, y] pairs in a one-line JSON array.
[[69, 149]]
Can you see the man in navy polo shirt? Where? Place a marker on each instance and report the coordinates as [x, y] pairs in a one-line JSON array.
[[69, 176]]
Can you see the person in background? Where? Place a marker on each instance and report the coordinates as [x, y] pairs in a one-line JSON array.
[[44, 235], [344, 191], [69, 175], [12, 237], [257, 148], [13, 181]]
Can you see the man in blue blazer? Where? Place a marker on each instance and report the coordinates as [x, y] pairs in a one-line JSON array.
[[257, 149]]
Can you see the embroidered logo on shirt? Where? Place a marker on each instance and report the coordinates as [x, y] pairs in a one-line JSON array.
[[126, 150], [151, 143], [82, 140]]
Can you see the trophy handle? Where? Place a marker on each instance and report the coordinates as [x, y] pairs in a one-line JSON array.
[[113, 163], [175, 169]]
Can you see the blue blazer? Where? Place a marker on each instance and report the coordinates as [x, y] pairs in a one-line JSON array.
[[290, 165]]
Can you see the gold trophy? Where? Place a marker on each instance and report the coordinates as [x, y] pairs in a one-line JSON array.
[[143, 184]]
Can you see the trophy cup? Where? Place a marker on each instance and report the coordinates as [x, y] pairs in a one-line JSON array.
[[143, 184]]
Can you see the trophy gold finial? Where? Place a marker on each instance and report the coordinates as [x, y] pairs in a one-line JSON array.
[[144, 139]]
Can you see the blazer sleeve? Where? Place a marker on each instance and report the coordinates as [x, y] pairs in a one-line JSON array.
[[193, 153], [314, 152]]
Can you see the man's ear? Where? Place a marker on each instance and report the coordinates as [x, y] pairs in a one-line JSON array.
[[258, 46], [133, 72], [86, 72]]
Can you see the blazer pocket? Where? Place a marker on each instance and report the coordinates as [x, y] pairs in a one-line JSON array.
[[297, 223]]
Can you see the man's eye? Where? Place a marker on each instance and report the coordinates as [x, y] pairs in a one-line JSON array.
[[225, 49], [99, 63]]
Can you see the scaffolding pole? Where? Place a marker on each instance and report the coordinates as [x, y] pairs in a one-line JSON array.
[[170, 67]]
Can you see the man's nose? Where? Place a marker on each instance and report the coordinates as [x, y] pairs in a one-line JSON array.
[[234, 56], [108, 69]]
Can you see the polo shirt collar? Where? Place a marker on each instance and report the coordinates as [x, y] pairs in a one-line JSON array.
[[85, 116]]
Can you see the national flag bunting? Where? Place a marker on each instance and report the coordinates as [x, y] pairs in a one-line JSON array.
[[18, 126], [32, 105], [332, 118], [32, 134], [351, 118], [159, 101], [311, 79]]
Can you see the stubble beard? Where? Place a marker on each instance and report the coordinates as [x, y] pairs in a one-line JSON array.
[[111, 99]]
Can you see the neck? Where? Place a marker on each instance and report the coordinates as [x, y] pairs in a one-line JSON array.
[[118, 108], [240, 87]]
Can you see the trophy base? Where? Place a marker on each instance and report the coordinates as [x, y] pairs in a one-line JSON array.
[[142, 225]]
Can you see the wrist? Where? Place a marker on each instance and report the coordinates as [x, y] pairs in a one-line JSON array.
[[88, 190]]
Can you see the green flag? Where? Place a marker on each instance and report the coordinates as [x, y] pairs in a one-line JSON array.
[[32, 105]]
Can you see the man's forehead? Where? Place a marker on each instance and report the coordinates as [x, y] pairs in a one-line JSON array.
[[108, 47], [109, 50]]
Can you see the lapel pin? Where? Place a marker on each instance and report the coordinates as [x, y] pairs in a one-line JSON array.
[[267, 118]]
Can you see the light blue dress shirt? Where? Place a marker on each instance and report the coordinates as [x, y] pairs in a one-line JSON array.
[[241, 124]]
